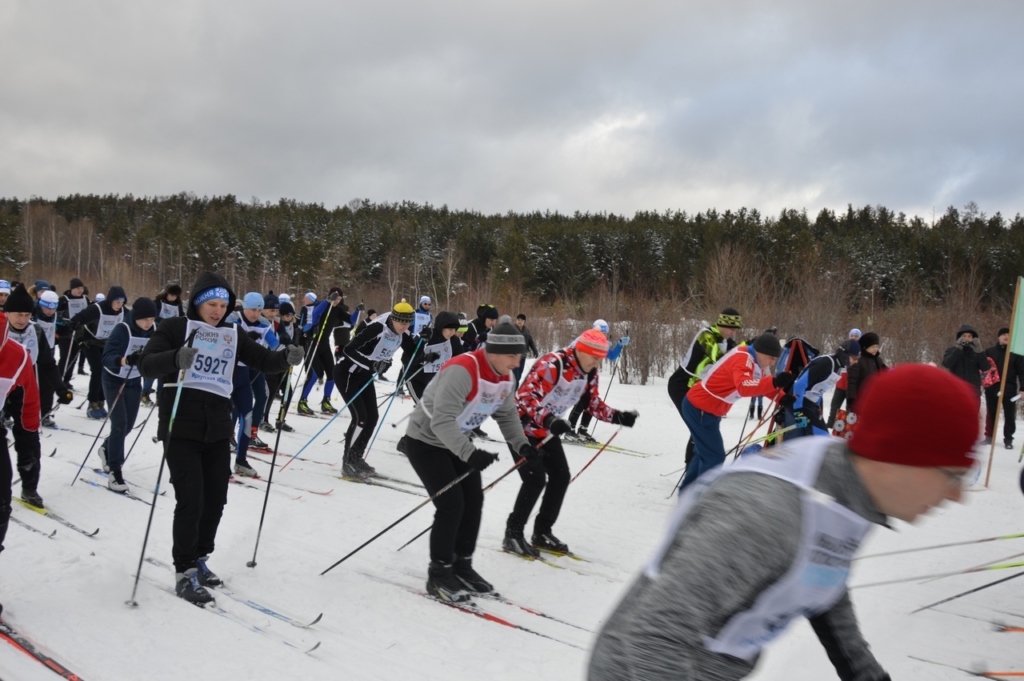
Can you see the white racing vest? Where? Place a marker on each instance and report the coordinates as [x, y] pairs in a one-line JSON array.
[[444, 349], [815, 581], [815, 392], [167, 310], [245, 327], [135, 344], [488, 399], [27, 339], [214, 365], [420, 320], [387, 344], [565, 394], [106, 323], [49, 327], [76, 305]]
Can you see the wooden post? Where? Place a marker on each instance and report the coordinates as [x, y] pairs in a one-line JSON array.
[[1002, 384]]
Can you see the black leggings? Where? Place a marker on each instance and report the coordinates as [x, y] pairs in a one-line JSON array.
[[581, 408], [457, 514], [199, 473], [363, 406], [94, 353], [553, 470]]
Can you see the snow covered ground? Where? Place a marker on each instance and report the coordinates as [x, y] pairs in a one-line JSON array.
[[69, 592]]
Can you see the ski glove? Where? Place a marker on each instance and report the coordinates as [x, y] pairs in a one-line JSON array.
[[625, 418], [556, 426], [252, 334], [624, 341], [382, 366], [530, 453], [64, 395], [132, 360], [783, 380], [360, 307], [186, 356], [481, 459], [294, 355], [431, 357], [334, 296], [788, 400]]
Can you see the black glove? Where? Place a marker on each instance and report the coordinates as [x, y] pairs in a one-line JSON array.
[[132, 360], [481, 459], [431, 356], [361, 307], [530, 453], [294, 355], [625, 418], [334, 296], [556, 425], [788, 400], [186, 356], [382, 366], [254, 335], [783, 380], [64, 395]]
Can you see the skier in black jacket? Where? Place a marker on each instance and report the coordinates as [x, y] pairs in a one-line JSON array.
[[433, 352], [201, 349], [1014, 386], [71, 303], [99, 319], [966, 359]]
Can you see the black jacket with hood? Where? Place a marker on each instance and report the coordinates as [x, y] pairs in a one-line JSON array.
[[201, 415], [89, 318], [967, 361], [444, 320]]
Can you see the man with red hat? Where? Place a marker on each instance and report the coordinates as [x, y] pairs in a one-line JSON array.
[[550, 390], [747, 554]]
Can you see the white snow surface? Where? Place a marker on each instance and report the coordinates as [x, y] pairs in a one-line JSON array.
[[68, 593]]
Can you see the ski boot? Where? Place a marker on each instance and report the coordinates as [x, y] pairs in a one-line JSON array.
[[267, 428], [116, 482], [368, 470], [515, 542], [987, 441], [303, 408], [478, 432], [96, 411], [442, 584], [281, 425], [147, 400], [206, 576], [548, 542], [585, 437], [327, 408], [103, 457], [470, 578], [256, 443], [243, 468], [32, 498], [189, 588], [48, 422], [1008, 444]]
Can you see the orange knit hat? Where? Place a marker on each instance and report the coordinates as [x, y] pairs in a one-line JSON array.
[[592, 342]]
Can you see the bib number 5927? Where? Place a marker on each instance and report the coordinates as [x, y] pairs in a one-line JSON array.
[[210, 365]]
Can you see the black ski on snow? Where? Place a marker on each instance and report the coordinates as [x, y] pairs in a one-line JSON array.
[[390, 479], [53, 516], [377, 483], [32, 529], [472, 609], [247, 482], [19, 641], [301, 624]]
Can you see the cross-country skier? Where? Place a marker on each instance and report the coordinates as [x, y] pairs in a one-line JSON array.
[[741, 373], [1014, 386], [71, 303], [327, 315], [99, 319], [466, 391], [288, 334], [580, 409], [205, 347], [486, 318], [50, 381], [756, 545], [549, 391], [433, 353], [369, 353], [168, 302], [122, 385], [531, 347], [861, 372], [5, 290], [19, 310], [422, 318], [805, 397], [306, 312], [839, 395]]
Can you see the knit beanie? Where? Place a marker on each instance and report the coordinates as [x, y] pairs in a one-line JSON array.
[[76, 282], [851, 347], [143, 308], [855, 334], [252, 301], [100, 298], [49, 300], [768, 344], [1003, 330], [286, 309], [729, 319], [505, 338], [895, 403], [402, 312], [425, 299], [271, 302], [5, 286], [20, 300], [285, 298], [42, 285], [592, 342], [601, 325], [869, 339]]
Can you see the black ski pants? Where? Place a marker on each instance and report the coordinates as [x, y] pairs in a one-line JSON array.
[[67, 347], [6, 476], [1009, 414], [580, 408], [322, 362], [550, 471], [94, 353], [199, 473], [457, 511], [274, 383], [362, 407]]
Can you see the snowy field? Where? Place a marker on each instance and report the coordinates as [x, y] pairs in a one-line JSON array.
[[68, 593]]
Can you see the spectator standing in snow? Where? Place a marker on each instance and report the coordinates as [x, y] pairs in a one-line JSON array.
[[867, 365], [966, 359], [1014, 376]]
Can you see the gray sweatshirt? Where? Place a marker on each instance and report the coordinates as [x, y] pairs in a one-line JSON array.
[[444, 399], [740, 538]]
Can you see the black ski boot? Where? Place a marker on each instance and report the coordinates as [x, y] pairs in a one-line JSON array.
[[549, 542], [116, 481], [585, 437], [32, 498], [470, 578], [442, 584], [515, 542], [281, 425], [205, 575], [350, 467], [189, 588], [365, 469]]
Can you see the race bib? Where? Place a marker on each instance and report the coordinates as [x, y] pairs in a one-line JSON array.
[[214, 364]]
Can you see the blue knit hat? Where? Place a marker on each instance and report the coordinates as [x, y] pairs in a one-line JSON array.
[[252, 301], [271, 301]]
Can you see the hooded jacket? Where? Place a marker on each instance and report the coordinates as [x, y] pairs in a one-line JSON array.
[[90, 316], [435, 343], [968, 362], [22, 400], [860, 372], [201, 416]]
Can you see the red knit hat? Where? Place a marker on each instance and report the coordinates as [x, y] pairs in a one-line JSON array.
[[917, 415], [592, 342]]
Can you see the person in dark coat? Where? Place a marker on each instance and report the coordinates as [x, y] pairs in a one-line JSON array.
[[98, 320], [966, 359], [200, 349], [859, 373], [1014, 386], [531, 347]]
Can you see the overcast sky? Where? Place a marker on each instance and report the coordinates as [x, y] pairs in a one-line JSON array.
[[496, 106]]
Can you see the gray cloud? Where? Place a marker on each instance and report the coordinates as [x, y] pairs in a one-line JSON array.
[[526, 105]]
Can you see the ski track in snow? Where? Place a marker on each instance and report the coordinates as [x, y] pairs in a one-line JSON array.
[[68, 594]]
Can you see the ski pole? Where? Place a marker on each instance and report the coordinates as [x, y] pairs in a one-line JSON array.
[[411, 376], [270, 478], [139, 434], [980, 565], [102, 425], [611, 380], [739, 447], [79, 407], [969, 591], [156, 489], [502, 477], [941, 546], [901, 580], [312, 439], [307, 361], [596, 455], [398, 387]]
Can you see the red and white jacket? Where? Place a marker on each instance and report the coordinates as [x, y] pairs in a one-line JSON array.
[[734, 376], [554, 386], [18, 380]]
